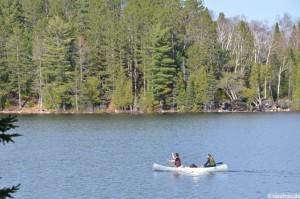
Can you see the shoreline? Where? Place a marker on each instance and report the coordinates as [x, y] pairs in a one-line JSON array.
[[268, 106], [105, 112]]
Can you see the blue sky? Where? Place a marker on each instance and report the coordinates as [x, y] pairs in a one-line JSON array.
[[262, 10]]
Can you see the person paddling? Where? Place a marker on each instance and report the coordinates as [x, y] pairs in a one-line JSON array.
[[210, 161], [176, 160]]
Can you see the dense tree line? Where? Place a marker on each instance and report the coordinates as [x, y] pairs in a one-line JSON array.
[[142, 56]]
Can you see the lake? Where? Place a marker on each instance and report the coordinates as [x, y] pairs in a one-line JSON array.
[[111, 156]]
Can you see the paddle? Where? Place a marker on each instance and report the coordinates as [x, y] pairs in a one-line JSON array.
[[202, 166], [173, 156], [172, 160]]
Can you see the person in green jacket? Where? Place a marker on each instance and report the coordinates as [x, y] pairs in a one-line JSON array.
[[210, 161]]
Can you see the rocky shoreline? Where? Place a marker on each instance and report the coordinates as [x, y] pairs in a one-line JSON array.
[[226, 107], [266, 106]]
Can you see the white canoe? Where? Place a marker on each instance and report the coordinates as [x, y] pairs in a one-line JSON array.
[[218, 168]]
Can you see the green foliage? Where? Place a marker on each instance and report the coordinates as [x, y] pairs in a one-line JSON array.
[[204, 51], [11, 14], [89, 93], [198, 88], [19, 65], [6, 192], [57, 43], [122, 96], [180, 93], [56, 60], [296, 96], [232, 84], [6, 123], [250, 95], [253, 92], [162, 68], [67, 54]]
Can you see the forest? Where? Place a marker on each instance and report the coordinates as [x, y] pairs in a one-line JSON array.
[[142, 56]]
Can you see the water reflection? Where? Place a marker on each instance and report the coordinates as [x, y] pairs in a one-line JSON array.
[[177, 174], [198, 176]]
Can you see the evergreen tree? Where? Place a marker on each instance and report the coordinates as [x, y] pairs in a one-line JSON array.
[[32, 12], [89, 93], [281, 60], [57, 61], [253, 93], [198, 90], [179, 92], [73, 42], [204, 51], [38, 51], [81, 16], [162, 69], [139, 18], [19, 66], [296, 95], [11, 12], [100, 63], [6, 124], [13, 52], [243, 46], [114, 47], [190, 16], [122, 96]]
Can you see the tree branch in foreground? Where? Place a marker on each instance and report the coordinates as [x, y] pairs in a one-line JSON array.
[[6, 192]]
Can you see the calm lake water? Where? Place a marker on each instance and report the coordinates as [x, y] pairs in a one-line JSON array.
[[111, 156]]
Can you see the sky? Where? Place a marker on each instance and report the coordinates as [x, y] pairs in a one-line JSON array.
[[262, 10]]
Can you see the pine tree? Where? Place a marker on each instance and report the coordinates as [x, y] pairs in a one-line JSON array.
[[81, 16], [19, 64], [13, 52], [57, 61], [38, 51], [162, 69], [204, 52], [114, 46], [135, 20], [6, 124], [11, 12], [190, 17], [32, 12]]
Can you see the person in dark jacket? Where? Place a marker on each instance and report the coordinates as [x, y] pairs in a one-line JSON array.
[[210, 161], [176, 160]]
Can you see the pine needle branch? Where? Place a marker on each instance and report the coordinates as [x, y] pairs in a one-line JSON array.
[[6, 192]]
